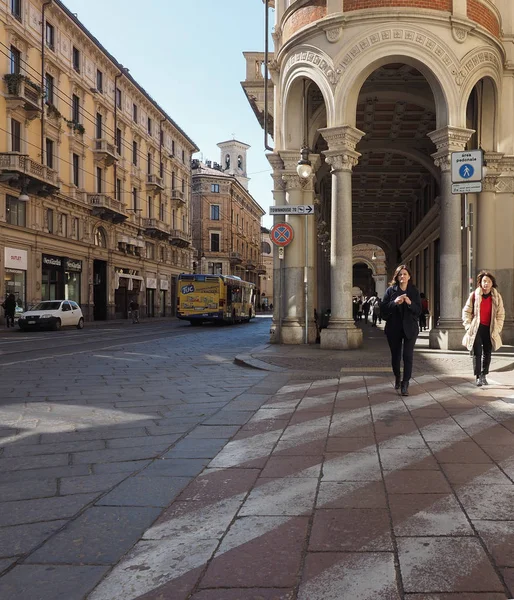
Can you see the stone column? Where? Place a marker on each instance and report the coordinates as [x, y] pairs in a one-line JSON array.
[[341, 334], [485, 216], [448, 332]]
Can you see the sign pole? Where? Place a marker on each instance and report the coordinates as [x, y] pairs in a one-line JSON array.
[[305, 279], [468, 222]]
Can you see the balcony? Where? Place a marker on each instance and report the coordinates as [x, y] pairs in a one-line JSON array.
[[250, 265], [154, 183], [179, 238], [253, 87], [235, 258], [178, 196], [22, 92], [156, 229], [107, 208], [18, 170], [261, 269], [105, 152]]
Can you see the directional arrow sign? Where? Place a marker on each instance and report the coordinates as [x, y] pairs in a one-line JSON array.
[[299, 209]]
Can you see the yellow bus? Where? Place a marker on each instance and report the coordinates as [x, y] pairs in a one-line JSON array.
[[222, 298]]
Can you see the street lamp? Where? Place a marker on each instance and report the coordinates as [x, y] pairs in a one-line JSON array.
[[304, 166]]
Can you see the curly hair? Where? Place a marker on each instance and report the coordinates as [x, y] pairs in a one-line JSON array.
[[399, 268], [486, 274]]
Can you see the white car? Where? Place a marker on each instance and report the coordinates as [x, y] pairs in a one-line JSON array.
[[52, 314]]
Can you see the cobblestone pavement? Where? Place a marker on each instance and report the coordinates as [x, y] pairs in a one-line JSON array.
[[165, 472]]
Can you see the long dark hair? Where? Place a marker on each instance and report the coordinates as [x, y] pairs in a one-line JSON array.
[[486, 274], [394, 280]]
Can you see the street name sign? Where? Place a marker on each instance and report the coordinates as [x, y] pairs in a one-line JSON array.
[[467, 166], [299, 209], [467, 188]]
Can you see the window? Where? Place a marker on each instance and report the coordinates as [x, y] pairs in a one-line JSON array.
[[149, 251], [63, 225], [118, 140], [173, 180], [161, 170], [76, 59], [134, 153], [183, 186], [16, 9], [75, 232], [118, 190], [76, 169], [99, 81], [183, 156], [173, 147], [161, 137], [50, 220], [50, 36], [134, 199], [149, 126], [215, 242], [100, 238], [15, 136], [150, 207], [134, 112], [162, 253], [163, 212], [99, 126], [75, 109], [215, 188], [49, 88], [16, 211], [49, 153], [149, 163], [118, 97], [215, 212], [99, 178], [15, 66]]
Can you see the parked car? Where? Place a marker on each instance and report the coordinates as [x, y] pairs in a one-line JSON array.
[[52, 314]]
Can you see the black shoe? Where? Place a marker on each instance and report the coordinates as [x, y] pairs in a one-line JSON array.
[[479, 382], [397, 382], [484, 380], [405, 388]]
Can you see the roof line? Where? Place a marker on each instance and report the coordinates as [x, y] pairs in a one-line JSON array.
[[119, 66]]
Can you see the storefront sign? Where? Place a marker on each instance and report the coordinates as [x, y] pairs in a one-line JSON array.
[[70, 264], [164, 284], [151, 283], [16, 259], [52, 261]]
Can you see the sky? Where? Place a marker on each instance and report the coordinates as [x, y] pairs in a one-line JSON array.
[[188, 55]]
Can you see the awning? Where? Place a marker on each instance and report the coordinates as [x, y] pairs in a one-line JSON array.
[[131, 281]]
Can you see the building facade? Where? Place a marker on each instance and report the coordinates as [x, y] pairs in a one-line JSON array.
[[382, 92], [95, 177], [226, 218], [266, 273]]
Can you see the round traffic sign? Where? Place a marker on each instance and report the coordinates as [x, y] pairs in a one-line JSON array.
[[466, 171], [282, 234]]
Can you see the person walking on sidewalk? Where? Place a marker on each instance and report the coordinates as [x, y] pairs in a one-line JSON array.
[[9, 306], [401, 307], [134, 310], [483, 316]]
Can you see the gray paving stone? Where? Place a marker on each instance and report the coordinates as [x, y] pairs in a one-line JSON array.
[[41, 582], [33, 462], [5, 563], [44, 509], [33, 474], [25, 490], [142, 490], [213, 431], [99, 536], [93, 434], [120, 467], [164, 440], [21, 539], [90, 483], [158, 430], [230, 417], [196, 448], [177, 467], [117, 455], [42, 449]]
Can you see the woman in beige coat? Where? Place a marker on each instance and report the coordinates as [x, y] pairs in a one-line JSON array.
[[483, 317]]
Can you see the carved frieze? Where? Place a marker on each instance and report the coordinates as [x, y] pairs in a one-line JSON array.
[[319, 60]]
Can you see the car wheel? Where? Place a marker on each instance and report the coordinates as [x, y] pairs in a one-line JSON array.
[[80, 324], [57, 325]]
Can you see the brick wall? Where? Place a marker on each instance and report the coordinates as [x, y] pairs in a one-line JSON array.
[[483, 16], [445, 5], [316, 10]]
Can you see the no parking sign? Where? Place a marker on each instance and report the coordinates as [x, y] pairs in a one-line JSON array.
[[282, 234]]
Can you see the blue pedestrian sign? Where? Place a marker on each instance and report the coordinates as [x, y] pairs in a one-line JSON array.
[[467, 166]]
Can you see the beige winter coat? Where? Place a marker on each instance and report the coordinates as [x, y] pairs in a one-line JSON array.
[[471, 318]]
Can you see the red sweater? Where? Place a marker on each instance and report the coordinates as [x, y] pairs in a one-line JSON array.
[[486, 309]]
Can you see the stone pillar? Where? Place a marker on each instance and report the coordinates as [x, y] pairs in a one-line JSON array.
[[448, 332], [484, 221], [341, 334], [279, 197]]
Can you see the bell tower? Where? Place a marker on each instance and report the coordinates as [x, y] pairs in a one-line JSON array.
[[233, 160]]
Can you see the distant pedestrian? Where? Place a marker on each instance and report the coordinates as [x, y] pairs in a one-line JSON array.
[[134, 310], [375, 311], [271, 306], [424, 312], [483, 317], [9, 306], [401, 307]]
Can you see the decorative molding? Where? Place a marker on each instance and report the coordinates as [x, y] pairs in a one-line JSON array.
[[341, 139], [342, 162], [505, 185], [317, 58], [334, 34]]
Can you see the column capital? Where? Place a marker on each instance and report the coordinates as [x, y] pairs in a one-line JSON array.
[[341, 139], [447, 140], [342, 162], [277, 164]]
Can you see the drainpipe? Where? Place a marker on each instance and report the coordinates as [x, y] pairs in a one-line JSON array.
[[266, 53], [43, 27], [161, 170], [115, 170]]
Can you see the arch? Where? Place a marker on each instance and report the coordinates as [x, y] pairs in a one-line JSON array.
[[100, 237], [489, 100], [422, 159], [415, 47]]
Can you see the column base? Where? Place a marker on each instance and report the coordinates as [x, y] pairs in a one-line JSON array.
[[341, 335], [292, 332], [447, 335]]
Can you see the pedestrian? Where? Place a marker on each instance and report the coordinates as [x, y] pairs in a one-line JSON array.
[[9, 306], [271, 306], [401, 307], [134, 310], [375, 311], [483, 316], [424, 312], [365, 308]]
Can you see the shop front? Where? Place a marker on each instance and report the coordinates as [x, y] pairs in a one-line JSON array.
[[60, 278], [163, 292], [15, 278], [128, 286], [151, 287]]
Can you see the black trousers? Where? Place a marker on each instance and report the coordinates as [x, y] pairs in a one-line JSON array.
[[398, 342], [482, 349]]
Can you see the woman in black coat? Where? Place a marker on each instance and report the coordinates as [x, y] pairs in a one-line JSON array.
[[401, 307]]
